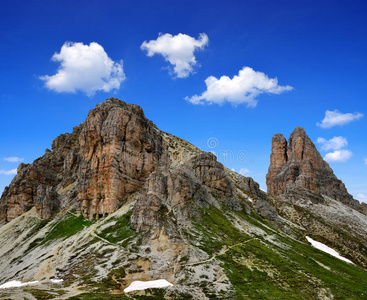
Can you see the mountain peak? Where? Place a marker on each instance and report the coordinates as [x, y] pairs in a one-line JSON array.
[[296, 166], [114, 103], [95, 167]]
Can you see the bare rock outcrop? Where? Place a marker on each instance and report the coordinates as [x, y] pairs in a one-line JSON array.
[[297, 168], [94, 168], [115, 153]]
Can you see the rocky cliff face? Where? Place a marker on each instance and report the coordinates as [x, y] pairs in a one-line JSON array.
[[297, 168], [94, 169], [113, 154]]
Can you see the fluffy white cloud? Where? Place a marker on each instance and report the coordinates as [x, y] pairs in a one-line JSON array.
[[178, 50], [362, 197], [244, 171], [14, 159], [242, 88], [336, 143], [9, 172], [84, 68], [338, 156], [335, 117]]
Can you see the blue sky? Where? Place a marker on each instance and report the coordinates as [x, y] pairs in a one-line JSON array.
[[315, 49]]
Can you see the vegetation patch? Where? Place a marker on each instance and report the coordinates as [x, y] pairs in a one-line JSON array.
[[99, 296], [43, 294], [269, 277], [153, 294], [120, 231], [344, 280], [258, 269], [113, 282], [216, 231], [65, 228]]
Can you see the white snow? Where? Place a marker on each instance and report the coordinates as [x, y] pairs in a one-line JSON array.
[[56, 280], [249, 199], [142, 285], [16, 283], [326, 249]]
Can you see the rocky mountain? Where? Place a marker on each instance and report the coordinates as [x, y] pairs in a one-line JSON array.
[[309, 194], [296, 168], [118, 200], [93, 169]]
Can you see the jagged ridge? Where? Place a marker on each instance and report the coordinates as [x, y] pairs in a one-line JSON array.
[[158, 207]]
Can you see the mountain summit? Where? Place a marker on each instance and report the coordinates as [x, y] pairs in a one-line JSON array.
[[296, 168], [93, 169], [118, 201]]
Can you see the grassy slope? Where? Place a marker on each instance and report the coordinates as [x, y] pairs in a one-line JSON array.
[[282, 269], [260, 264]]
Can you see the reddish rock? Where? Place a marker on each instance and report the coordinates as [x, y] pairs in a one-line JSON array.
[[94, 168], [298, 170], [115, 153]]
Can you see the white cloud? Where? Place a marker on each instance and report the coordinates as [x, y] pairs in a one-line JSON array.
[[362, 197], [9, 172], [244, 171], [242, 88], [84, 68], [14, 159], [336, 143], [338, 156], [365, 161], [178, 50], [335, 117]]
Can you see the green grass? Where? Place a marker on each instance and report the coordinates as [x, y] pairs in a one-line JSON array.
[[45, 294], [153, 294], [65, 228], [259, 269], [216, 231], [99, 296], [120, 231], [108, 284], [345, 281], [257, 282]]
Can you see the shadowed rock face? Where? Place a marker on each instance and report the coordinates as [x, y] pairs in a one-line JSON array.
[[94, 168], [181, 190], [297, 168]]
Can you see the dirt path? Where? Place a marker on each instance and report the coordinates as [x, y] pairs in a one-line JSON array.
[[93, 233], [222, 251]]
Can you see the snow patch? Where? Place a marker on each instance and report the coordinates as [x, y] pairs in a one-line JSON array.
[[142, 285], [16, 283], [57, 281], [327, 249]]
